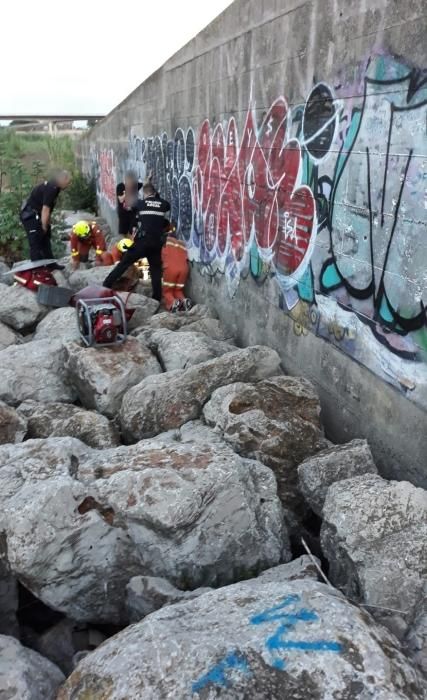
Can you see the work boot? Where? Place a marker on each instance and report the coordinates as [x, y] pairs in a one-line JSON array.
[[56, 266], [186, 304], [176, 306]]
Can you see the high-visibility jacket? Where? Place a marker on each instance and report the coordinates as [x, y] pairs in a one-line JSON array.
[[175, 270], [80, 247]]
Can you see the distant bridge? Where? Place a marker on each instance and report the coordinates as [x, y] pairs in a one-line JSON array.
[[50, 123], [52, 117]]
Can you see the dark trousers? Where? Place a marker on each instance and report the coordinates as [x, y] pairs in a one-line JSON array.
[[126, 222], [142, 248], [39, 240]]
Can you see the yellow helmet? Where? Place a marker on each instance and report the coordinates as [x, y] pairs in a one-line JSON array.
[[124, 244], [81, 229]]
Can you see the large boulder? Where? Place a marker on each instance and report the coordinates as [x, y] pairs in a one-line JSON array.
[[13, 427], [193, 431], [175, 322], [415, 642], [80, 523], [63, 547], [101, 376], [60, 324], [8, 337], [19, 308], [303, 567], [182, 350], [85, 277], [276, 421], [143, 308], [145, 594], [24, 674], [45, 420], [293, 639], [210, 327], [317, 473], [36, 371], [373, 534], [199, 514], [37, 460], [162, 403]]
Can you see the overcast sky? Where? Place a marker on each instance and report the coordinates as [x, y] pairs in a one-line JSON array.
[[71, 56]]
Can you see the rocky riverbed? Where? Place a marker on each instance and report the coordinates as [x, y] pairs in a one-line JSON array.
[[174, 523]]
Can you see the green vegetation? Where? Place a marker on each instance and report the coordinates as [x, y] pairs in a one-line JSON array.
[[25, 160]]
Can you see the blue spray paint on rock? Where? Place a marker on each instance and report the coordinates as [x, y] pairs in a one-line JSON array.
[[217, 674], [275, 644]]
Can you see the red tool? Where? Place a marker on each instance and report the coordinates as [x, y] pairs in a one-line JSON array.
[[102, 316]]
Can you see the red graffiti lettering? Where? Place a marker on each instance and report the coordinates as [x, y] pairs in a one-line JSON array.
[[250, 191], [107, 176]]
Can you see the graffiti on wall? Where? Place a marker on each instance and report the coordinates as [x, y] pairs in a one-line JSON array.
[[103, 169], [170, 162], [327, 198]]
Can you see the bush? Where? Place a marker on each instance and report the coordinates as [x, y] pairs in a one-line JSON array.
[[61, 152], [15, 183], [26, 160], [13, 240], [81, 194], [21, 167]]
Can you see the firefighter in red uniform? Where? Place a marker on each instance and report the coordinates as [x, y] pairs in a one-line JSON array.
[[120, 248], [113, 256], [86, 235], [130, 278], [175, 272]]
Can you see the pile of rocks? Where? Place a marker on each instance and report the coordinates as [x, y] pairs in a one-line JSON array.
[[168, 483]]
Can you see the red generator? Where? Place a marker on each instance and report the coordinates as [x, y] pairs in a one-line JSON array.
[[101, 317]]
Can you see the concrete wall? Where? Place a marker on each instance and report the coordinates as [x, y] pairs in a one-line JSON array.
[[291, 139]]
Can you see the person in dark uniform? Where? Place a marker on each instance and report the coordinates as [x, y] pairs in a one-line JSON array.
[[150, 216], [36, 214], [127, 196]]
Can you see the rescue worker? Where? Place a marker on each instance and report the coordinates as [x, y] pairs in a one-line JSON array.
[[36, 213], [127, 196], [130, 278], [86, 235], [120, 248], [175, 273], [150, 224], [111, 257]]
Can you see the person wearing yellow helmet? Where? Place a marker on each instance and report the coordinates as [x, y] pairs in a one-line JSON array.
[[86, 235], [115, 254], [120, 248], [130, 278]]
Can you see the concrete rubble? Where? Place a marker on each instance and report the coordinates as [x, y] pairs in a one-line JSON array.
[[168, 483]]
